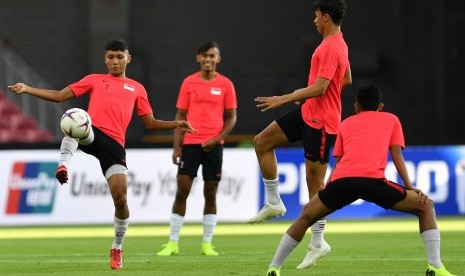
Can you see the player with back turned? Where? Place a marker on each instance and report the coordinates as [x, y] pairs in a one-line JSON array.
[[113, 97], [362, 145]]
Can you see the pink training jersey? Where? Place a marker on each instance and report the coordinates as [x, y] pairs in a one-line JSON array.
[[205, 102], [363, 142], [330, 61], [112, 102]]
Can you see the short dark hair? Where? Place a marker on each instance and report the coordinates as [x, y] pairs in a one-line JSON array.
[[369, 97], [207, 46], [335, 8], [116, 44]]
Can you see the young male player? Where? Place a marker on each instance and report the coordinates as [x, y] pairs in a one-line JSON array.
[[203, 99], [361, 149], [113, 98], [315, 122]]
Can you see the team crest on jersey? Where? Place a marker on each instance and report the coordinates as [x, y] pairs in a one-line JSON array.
[[215, 91], [129, 87]]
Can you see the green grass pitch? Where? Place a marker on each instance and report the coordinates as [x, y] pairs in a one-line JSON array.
[[367, 247]]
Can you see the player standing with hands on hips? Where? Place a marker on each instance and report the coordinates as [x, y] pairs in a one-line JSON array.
[[315, 122], [205, 98], [361, 149], [113, 97]]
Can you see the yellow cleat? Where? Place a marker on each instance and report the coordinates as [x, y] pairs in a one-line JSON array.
[[207, 249]]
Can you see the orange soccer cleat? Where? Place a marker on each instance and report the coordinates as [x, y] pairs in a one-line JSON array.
[[62, 174], [116, 258]]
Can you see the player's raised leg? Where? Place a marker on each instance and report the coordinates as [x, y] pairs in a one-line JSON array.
[[67, 149], [265, 143]]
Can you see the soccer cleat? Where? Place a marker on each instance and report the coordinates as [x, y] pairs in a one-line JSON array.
[[116, 258], [313, 255], [273, 271], [62, 174], [433, 271], [171, 248], [268, 211], [208, 249]]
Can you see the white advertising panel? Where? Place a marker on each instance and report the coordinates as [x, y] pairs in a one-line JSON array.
[[30, 194]]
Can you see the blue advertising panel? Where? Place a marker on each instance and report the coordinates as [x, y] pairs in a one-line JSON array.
[[437, 171]]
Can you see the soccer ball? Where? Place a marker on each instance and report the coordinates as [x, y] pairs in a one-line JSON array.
[[75, 123]]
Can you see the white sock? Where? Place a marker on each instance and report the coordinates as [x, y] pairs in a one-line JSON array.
[[176, 222], [432, 240], [67, 149], [121, 225], [209, 224], [272, 192], [285, 248], [318, 230]]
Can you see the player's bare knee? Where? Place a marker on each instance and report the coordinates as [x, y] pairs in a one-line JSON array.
[[120, 202], [258, 142], [429, 206]]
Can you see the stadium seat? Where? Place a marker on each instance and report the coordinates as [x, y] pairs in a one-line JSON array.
[[5, 124], [18, 127], [38, 135], [8, 108], [8, 136], [21, 122]]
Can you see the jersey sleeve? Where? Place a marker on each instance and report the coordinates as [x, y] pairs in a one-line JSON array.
[[230, 100], [142, 104], [397, 135], [183, 97], [82, 86], [328, 62]]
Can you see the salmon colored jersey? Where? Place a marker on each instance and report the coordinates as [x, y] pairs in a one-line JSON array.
[[112, 101], [205, 102], [330, 61], [363, 142]]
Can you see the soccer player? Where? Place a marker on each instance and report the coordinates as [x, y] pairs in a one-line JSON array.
[[360, 152], [315, 122], [113, 97], [204, 98]]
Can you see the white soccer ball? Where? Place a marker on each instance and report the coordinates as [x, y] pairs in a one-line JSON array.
[[75, 123]]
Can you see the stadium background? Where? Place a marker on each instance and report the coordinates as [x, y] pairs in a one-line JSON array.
[[412, 49]]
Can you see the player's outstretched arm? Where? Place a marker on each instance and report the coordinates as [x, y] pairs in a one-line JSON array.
[[45, 94], [154, 124], [315, 90]]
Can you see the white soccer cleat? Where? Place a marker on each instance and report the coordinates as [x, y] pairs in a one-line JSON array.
[[268, 211], [313, 255]]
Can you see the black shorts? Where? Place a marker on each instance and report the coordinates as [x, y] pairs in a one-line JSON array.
[[193, 156], [317, 143], [106, 150], [344, 191]]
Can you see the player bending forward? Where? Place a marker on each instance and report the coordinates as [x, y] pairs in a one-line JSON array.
[[361, 149]]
